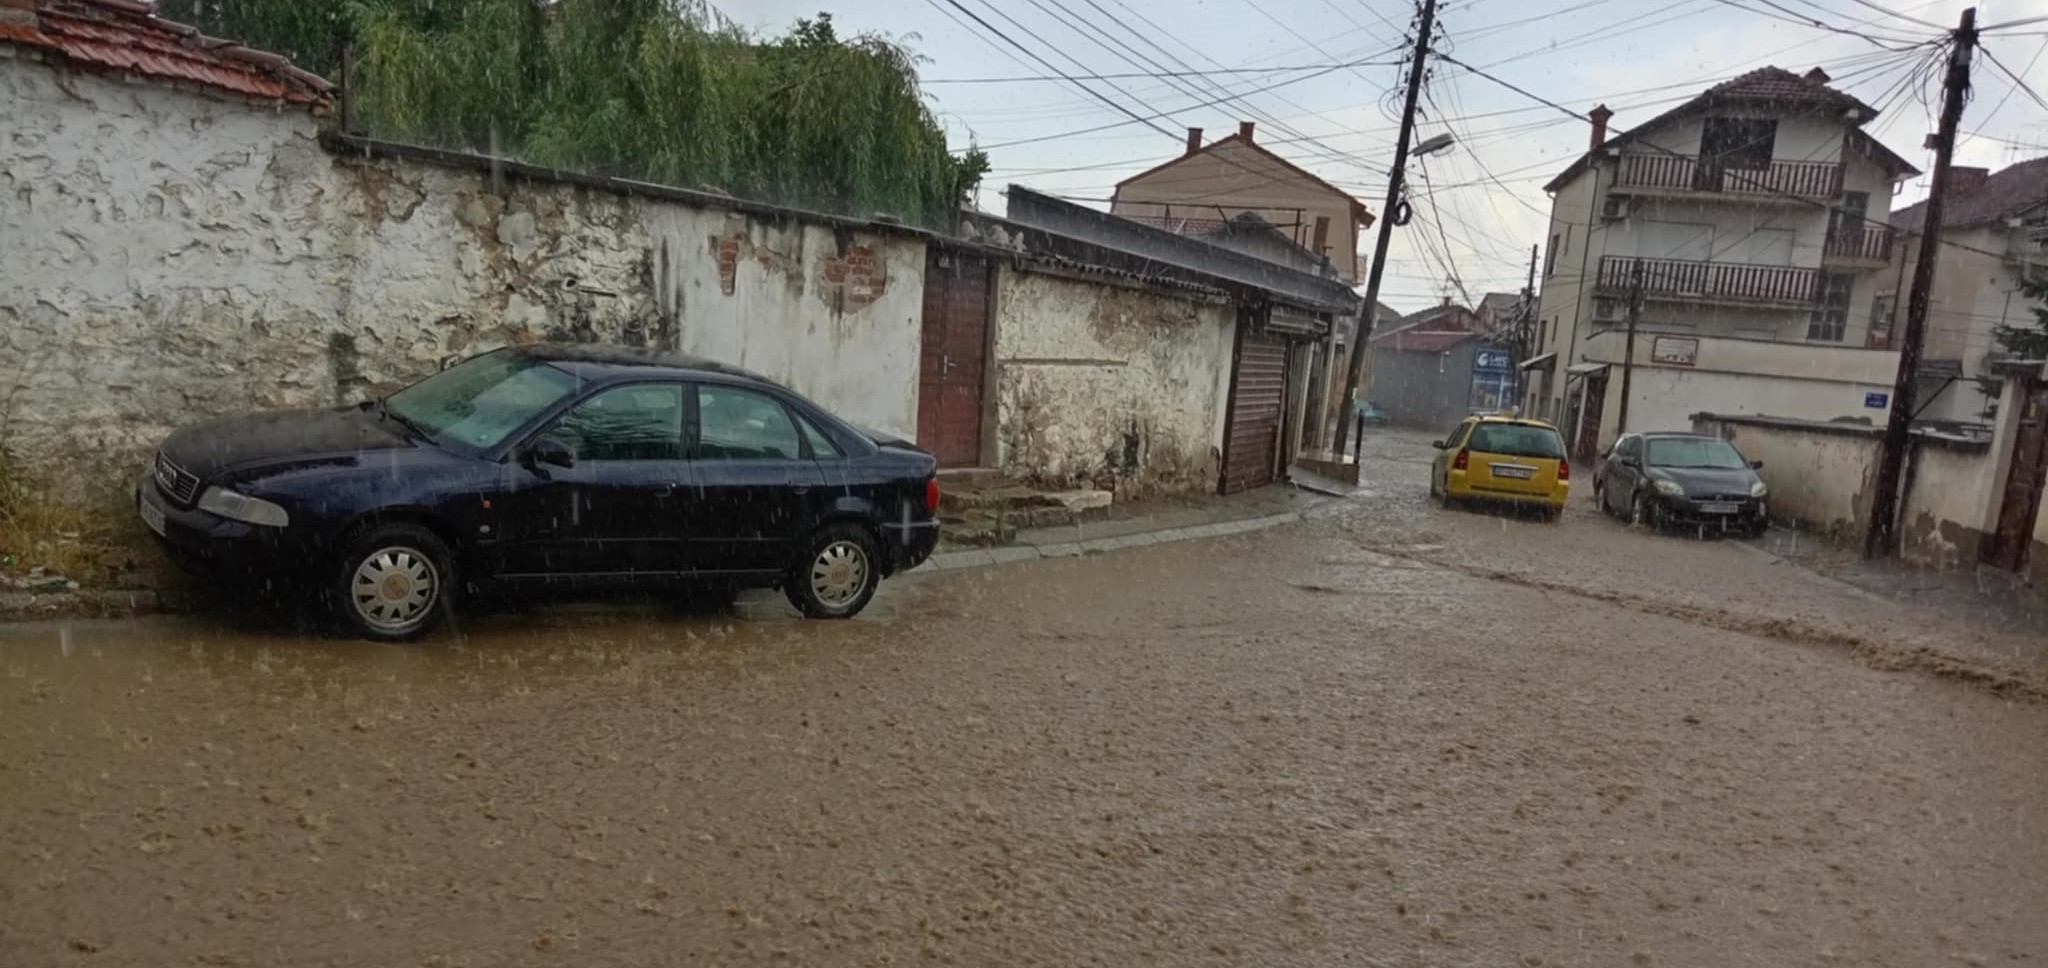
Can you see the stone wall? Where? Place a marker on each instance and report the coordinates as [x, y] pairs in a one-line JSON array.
[[168, 256], [1102, 381]]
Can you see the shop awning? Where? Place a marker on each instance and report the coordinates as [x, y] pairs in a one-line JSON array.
[[1585, 369], [1543, 362]]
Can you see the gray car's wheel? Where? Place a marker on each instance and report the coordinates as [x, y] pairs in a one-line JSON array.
[[835, 572], [1641, 513], [394, 583]]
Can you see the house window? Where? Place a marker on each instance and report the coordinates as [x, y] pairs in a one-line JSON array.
[[1882, 307], [1831, 320], [1543, 332], [1550, 258], [1742, 143]]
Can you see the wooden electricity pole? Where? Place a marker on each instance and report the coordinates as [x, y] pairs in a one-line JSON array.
[[1880, 536], [1363, 330], [1628, 351]]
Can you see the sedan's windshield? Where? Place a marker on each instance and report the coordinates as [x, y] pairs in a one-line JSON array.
[[1694, 452], [479, 402], [1516, 440]]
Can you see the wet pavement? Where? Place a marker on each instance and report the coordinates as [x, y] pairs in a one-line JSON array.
[[1396, 735]]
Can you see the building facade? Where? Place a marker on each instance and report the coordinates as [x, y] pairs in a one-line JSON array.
[[1210, 184], [1748, 225], [1994, 234]]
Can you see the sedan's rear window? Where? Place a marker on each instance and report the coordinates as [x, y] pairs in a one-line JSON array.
[[1516, 440]]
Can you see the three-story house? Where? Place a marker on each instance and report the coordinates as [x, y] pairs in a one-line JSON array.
[[1745, 227]]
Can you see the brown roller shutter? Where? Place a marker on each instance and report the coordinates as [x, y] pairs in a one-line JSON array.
[[1258, 385]]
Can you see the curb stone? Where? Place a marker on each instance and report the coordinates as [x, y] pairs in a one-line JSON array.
[[984, 557]]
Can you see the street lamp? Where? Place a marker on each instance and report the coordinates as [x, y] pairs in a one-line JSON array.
[[1430, 146]]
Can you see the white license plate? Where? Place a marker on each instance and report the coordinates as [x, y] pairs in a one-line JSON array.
[[1514, 471], [1719, 508], [152, 515]]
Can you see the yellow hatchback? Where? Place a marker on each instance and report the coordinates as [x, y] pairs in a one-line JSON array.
[[1504, 459]]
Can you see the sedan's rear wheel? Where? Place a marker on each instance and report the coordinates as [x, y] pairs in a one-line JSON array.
[[835, 574], [394, 583]]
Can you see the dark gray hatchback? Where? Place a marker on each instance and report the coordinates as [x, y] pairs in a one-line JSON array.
[[547, 464], [1668, 480]]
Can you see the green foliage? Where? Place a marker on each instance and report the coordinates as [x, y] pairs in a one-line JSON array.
[[2027, 341], [643, 88]]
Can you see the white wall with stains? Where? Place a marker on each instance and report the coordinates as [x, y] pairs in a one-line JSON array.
[[168, 256], [1097, 379]]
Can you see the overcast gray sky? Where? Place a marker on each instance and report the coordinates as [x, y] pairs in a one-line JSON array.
[[1637, 56]]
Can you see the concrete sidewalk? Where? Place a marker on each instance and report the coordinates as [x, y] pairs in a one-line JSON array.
[[1980, 597], [1144, 524]]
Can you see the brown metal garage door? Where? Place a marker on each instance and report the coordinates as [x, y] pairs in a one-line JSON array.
[[1258, 385]]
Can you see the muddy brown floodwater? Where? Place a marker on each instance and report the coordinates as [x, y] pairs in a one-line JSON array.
[[1391, 736]]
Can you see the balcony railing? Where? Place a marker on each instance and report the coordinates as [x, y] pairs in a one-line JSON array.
[[1862, 241], [1682, 278], [1799, 179]]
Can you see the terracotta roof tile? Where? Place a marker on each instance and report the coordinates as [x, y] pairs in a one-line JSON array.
[[2006, 193], [126, 35]]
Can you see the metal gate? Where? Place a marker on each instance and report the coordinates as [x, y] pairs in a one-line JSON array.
[[952, 363], [2022, 501], [1258, 387]]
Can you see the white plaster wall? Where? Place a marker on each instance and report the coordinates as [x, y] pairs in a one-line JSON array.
[[167, 256], [1817, 478], [1083, 364], [781, 319], [1944, 518]]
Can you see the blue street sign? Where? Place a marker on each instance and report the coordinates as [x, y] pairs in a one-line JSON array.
[[1877, 401]]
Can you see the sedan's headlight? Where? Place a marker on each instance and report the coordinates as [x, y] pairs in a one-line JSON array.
[[1758, 489], [242, 507], [1670, 487]]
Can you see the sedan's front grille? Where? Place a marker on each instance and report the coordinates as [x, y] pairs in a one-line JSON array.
[[177, 483]]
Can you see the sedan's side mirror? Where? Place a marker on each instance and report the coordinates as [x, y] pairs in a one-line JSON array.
[[550, 451], [1756, 465], [1438, 444]]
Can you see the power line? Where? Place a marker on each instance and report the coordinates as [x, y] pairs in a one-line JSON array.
[[1795, 17], [2015, 78], [1129, 75]]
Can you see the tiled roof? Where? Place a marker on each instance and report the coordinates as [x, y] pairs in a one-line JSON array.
[[1422, 341], [1763, 84], [2002, 195], [127, 36], [1779, 84]]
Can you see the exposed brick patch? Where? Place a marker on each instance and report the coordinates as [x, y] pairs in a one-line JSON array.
[[856, 279], [728, 248]]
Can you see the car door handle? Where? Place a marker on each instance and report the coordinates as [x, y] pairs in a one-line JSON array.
[[799, 489], [664, 489]]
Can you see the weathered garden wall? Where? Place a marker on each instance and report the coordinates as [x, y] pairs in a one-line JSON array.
[[168, 256], [1096, 378]]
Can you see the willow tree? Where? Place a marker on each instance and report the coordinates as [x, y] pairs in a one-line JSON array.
[[663, 90]]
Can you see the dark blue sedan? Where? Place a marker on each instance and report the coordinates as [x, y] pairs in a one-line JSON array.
[[548, 464]]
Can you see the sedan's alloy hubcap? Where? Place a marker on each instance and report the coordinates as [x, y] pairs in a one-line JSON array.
[[839, 573], [394, 587]]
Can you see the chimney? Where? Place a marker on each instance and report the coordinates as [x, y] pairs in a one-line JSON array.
[[1447, 302], [18, 13], [1194, 140], [1818, 76], [1599, 116], [1963, 181], [1244, 131]]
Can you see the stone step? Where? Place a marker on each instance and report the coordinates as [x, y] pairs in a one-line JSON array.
[[970, 477]]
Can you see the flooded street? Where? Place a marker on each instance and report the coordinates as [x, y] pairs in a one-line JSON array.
[[1390, 735]]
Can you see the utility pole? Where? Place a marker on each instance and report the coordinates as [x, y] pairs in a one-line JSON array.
[[1525, 330], [1363, 330], [1628, 350], [1880, 536]]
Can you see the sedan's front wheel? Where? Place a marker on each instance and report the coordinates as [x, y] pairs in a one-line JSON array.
[[835, 574], [393, 583]]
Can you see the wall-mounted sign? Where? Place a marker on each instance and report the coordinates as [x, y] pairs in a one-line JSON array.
[[1675, 350], [1492, 361], [1877, 401]]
